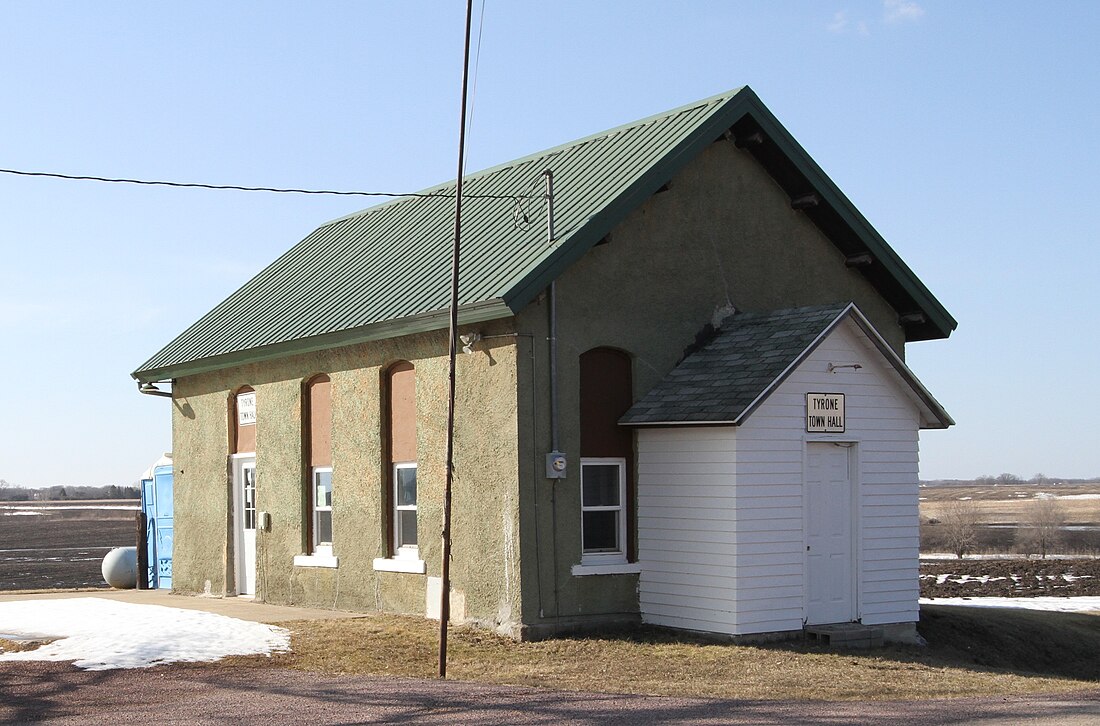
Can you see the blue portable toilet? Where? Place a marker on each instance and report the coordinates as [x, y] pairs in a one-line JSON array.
[[156, 503]]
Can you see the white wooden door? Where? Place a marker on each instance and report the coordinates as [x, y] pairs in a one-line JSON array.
[[830, 560], [244, 495]]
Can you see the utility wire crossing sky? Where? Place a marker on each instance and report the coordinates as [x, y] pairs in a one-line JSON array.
[[963, 132]]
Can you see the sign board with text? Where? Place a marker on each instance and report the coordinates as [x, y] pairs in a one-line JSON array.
[[825, 413], [246, 409]]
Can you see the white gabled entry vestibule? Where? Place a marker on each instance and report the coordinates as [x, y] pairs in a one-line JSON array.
[[763, 527]]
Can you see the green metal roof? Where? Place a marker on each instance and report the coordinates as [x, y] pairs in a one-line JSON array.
[[728, 378], [385, 271]]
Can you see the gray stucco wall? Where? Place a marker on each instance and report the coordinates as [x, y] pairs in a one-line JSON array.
[[485, 565], [722, 235]]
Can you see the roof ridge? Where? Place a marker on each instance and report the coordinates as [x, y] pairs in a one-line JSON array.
[[436, 189]]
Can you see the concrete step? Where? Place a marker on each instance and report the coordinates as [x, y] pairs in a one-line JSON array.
[[845, 635]]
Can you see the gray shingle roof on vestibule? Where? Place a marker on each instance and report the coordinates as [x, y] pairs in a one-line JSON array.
[[385, 271], [726, 375], [724, 381]]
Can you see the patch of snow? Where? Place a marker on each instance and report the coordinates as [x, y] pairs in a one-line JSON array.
[[23, 514], [99, 634], [1050, 604], [965, 499], [1079, 496], [962, 579], [931, 556], [83, 550], [43, 508]]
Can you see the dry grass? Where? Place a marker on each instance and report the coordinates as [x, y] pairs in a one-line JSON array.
[[971, 652], [1008, 504], [15, 646], [1009, 511]]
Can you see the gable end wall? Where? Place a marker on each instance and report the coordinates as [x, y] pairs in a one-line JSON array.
[[722, 235], [883, 422]]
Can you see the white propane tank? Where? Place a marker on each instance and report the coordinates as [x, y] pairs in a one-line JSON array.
[[120, 567]]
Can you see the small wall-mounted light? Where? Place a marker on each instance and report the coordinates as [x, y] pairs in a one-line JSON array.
[[150, 389], [809, 200], [911, 319], [754, 139], [862, 259], [468, 341], [834, 367]]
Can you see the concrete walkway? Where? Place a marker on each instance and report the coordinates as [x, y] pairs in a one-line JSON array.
[[242, 608]]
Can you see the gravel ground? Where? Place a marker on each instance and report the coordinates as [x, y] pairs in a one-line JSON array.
[[1010, 578], [60, 694]]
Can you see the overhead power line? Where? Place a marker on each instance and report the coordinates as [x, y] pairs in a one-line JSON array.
[[240, 188]]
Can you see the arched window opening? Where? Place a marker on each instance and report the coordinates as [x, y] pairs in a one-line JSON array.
[[402, 491], [243, 421], [607, 454], [318, 428]]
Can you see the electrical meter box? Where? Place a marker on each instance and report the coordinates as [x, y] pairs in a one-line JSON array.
[[556, 465]]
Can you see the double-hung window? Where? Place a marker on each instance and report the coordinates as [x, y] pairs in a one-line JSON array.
[[603, 514], [322, 510], [404, 504]]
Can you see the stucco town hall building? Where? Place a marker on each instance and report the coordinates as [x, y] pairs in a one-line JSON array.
[[683, 402]]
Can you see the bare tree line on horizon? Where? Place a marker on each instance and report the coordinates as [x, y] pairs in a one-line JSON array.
[[1009, 479], [12, 493]]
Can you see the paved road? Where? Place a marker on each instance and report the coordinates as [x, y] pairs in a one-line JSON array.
[[56, 693]]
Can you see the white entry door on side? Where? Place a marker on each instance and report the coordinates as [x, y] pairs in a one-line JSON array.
[[244, 498]]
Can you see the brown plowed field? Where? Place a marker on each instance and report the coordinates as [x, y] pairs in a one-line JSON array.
[[64, 546], [1010, 578]]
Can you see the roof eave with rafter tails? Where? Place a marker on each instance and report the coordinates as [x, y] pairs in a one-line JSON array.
[[385, 271]]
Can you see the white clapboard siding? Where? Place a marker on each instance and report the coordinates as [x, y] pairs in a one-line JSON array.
[[883, 421], [753, 582], [720, 518]]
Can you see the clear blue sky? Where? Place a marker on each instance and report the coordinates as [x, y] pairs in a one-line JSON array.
[[967, 133]]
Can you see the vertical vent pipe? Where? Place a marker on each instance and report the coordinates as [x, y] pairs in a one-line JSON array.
[[553, 309]]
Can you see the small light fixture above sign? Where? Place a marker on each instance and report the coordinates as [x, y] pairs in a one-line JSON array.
[[824, 413]]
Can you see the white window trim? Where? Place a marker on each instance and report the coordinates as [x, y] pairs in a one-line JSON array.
[[405, 558], [599, 560], [629, 568], [400, 564], [317, 560], [404, 551], [321, 549]]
